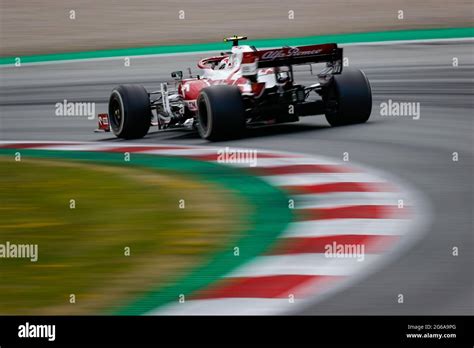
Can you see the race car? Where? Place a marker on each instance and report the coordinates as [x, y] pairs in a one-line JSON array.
[[243, 88]]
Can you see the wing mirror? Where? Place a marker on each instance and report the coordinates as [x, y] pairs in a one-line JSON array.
[[177, 75]]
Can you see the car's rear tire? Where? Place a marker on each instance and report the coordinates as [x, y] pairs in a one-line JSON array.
[[348, 98], [130, 111], [221, 113]]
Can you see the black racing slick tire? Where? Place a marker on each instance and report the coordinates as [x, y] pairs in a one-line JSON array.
[[221, 113], [348, 98], [130, 111]]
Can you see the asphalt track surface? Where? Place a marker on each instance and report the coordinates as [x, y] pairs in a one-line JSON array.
[[418, 152]]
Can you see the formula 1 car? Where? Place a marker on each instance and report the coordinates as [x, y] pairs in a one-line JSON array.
[[242, 88]]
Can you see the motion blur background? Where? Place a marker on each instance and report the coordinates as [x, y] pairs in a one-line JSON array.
[[418, 152], [35, 26]]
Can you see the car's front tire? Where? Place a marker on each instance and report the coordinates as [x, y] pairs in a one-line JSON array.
[[130, 111], [220, 113], [348, 98]]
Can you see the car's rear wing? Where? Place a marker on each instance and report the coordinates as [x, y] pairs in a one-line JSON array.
[[299, 55], [287, 56]]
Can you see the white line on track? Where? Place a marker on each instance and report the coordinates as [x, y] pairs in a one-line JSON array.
[[310, 179], [227, 306], [338, 199], [319, 228], [303, 264]]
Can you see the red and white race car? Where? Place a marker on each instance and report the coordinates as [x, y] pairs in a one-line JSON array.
[[244, 88]]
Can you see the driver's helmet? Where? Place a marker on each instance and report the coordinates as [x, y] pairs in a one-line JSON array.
[[223, 64]]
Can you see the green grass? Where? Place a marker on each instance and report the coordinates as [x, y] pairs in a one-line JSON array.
[[81, 250]]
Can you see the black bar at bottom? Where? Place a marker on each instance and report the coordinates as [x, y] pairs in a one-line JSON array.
[[290, 330]]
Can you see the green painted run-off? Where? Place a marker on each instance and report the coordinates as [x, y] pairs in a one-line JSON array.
[[420, 34]]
